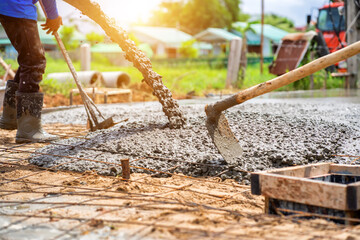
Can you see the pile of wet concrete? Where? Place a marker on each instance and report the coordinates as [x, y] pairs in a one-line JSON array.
[[273, 134]]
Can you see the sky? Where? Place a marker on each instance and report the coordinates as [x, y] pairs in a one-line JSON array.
[[124, 11], [295, 10], [129, 11]]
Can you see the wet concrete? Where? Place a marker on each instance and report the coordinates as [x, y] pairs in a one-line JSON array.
[[134, 55], [273, 133]]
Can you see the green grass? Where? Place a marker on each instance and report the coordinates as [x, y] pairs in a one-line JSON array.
[[179, 79]]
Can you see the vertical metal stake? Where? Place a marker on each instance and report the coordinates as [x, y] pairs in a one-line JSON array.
[[125, 169]]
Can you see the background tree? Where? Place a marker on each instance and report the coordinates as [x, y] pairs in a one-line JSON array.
[[94, 38], [244, 47], [193, 16], [167, 14], [67, 35], [280, 22], [188, 50]]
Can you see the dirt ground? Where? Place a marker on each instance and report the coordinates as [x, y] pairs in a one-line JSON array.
[[69, 205], [141, 92]]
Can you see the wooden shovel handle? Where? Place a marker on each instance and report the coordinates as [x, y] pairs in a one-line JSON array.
[[7, 68], [285, 79]]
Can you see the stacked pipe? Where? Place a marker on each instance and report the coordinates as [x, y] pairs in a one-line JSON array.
[[95, 79]]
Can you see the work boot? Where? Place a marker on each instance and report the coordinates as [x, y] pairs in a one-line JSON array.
[[8, 118], [29, 106]]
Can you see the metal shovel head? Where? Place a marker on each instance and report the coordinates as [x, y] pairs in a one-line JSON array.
[[107, 123], [223, 138]]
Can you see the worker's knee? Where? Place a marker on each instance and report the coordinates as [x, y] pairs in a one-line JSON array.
[[30, 77]]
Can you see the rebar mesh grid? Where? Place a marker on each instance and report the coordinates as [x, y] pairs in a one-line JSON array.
[[36, 199]]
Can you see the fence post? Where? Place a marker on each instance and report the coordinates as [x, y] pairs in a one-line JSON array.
[[85, 57], [233, 62], [352, 36]]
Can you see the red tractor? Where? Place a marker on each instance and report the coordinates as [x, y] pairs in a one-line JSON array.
[[300, 48], [331, 25]]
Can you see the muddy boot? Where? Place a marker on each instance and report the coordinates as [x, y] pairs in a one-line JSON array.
[[8, 118], [29, 106]]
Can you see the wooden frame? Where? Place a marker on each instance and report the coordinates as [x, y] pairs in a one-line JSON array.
[[102, 91], [294, 184]]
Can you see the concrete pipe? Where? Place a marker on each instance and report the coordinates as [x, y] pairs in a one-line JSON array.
[[116, 79], [87, 78]]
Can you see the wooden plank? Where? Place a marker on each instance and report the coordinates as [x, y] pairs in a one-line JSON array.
[[317, 193], [234, 62], [267, 204], [353, 196], [345, 169], [303, 171], [6, 67], [102, 91]]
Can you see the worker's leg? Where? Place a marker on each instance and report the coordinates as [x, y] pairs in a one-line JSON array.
[[24, 36], [8, 118]]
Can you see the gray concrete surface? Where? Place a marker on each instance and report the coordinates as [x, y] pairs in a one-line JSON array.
[[274, 132]]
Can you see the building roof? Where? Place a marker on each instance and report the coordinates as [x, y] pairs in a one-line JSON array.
[[251, 37], [171, 37], [215, 35], [273, 33], [44, 37], [114, 48], [106, 48]]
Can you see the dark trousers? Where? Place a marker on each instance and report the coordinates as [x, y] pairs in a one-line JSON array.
[[24, 36]]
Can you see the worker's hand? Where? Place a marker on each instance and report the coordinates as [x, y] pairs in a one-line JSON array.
[[52, 25]]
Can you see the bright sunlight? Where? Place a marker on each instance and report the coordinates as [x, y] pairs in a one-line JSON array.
[[128, 12]]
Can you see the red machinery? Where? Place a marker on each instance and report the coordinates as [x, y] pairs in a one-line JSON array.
[[331, 23]]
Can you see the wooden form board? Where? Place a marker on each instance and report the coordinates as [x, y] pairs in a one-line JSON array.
[[294, 184], [103, 91]]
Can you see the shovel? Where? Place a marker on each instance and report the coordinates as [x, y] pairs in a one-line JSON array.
[[96, 120], [217, 124]]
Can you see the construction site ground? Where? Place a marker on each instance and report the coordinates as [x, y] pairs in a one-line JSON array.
[[73, 189]]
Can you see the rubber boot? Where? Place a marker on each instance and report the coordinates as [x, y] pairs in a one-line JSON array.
[[8, 118], [29, 106]]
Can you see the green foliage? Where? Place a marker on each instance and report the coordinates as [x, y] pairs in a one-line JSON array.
[[199, 15], [233, 8], [58, 65], [51, 86], [280, 22], [67, 35], [167, 14], [244, 17], [184, 79], [100, 58], [94, 38], [188, 76], [193, 16], [188, 50], [14, 65]]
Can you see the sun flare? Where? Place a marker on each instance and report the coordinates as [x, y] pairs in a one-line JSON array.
[[129, 12]]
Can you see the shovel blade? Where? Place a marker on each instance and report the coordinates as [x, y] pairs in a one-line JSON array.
[[107, 123], [224, 139]]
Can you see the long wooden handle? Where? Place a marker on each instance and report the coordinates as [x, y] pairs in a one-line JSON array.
[[68, 61], [285, 79], [64, 53], [7, 68]]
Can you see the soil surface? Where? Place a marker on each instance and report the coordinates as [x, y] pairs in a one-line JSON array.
[[273, 133], [44, 203]]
